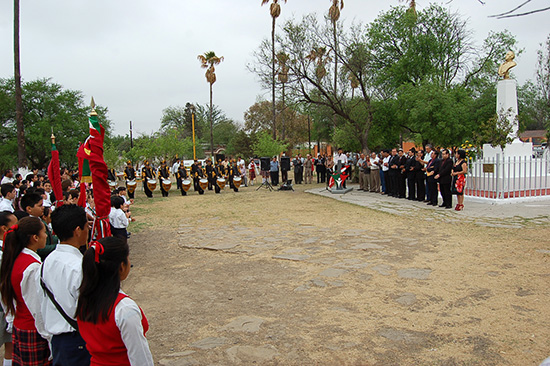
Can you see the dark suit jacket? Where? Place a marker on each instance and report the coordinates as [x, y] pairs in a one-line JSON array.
[[445, 168], [433, 167]]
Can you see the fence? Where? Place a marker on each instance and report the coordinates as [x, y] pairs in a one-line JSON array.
[[509, 177]]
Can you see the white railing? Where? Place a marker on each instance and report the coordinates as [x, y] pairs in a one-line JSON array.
[[510, 177]]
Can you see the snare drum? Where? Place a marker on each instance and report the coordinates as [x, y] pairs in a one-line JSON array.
[[221, 182], [203, 183], [112, 184], [237, 182], [186, 184], [166, 184], [152, 184], [131, 185]]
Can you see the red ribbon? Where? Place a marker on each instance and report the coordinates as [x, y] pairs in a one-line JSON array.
[[98, 249], [11, 230]]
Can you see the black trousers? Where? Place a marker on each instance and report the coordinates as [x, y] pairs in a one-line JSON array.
[[164, 193], [213, 184], [197, 186], [147, 191], [402, 185], [445, 189], [274, 178], [411, 184], [420, 186], [395, 177], [434, 195]]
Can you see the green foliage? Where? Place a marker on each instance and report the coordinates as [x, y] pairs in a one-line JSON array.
[[46, 105], [345, 136], [496, 131], [267, 146], [163, 146], [242, 144]]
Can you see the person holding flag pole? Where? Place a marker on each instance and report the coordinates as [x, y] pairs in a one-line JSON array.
[[93, 169], [54, 174]]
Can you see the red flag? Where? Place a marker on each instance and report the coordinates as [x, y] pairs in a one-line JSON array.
[[92, 151], [54, 174]]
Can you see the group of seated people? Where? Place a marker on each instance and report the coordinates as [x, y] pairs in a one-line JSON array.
[[60, 288]]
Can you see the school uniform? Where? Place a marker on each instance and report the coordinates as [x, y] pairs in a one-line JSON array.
[[120, 340], [119, 223], [6, 205], [62, 275], [30, 346]]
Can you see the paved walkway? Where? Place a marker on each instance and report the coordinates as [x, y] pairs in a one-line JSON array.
[[483, 213]]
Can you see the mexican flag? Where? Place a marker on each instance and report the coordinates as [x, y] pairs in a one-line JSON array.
[[91, 164], [54, 174]]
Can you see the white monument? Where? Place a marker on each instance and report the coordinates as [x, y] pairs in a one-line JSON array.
[[507, 107]]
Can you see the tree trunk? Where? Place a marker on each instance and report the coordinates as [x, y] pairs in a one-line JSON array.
[[334, 117], [273, 78], [21, 149], [211, 126], [283, 115]]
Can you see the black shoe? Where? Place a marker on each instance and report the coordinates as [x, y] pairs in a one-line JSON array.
[[441, 206], [447, 207]]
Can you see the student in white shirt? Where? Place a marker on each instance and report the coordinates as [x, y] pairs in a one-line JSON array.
[[8, 195], [62, 276], [8, 177], [118, 218], [7, 220]]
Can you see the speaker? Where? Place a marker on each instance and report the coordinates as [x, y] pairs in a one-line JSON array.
[[264, 164], [285, 163]]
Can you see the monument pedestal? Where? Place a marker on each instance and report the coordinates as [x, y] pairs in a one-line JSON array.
[[340, 190]]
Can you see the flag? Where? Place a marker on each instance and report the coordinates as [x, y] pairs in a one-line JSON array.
[[54, 174], [90, 157]]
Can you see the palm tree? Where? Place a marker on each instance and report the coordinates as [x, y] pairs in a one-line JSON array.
[[208, 61], [21, 150], [282, 59], [334, 14], [412, 5], [320, 58], [275, 10]]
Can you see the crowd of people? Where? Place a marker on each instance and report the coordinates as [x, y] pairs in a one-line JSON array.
[[60, 288]]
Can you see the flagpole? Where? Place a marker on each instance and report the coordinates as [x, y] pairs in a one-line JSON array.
[[193, 128]]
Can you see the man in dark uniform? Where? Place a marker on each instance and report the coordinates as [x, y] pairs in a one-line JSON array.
[[181, 175], [129, 174], [146, 174], [410, 172], [197, 174], [111, 176], [233, 171], [320, 168], [394, 173], [164, 173], [212, 176], [403, 175], [298, 169]]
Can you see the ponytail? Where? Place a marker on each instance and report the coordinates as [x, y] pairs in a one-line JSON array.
[[101, 279], [15, 240]]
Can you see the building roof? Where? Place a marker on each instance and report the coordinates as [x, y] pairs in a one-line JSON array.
[[533, 133]]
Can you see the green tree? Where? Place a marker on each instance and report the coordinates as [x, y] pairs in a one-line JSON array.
[[242, 144], [47, 106], [267, 146]]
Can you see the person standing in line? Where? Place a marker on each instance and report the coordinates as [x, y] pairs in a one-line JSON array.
[[110, 322], [431, 168], [181, 175], [274, 171], [420, 177], [163, 173], [62, 276], [329, 168], [19, 286], [425, 162], [360, 166], [394, 174], [410, 174], [251, 171], [460, 169], [319, 166], [443, 177], [146, 174], [374, 164], [402, 175], [297, 163], [308, 167], [385, 172]]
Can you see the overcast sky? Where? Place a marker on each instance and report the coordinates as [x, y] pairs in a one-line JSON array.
[[138, 57]]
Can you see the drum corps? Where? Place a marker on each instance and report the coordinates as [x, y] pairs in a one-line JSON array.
[[211, 177]]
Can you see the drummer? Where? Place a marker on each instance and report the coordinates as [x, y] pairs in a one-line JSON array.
[[212, 174], [181, 175], [197, 174], [164, 173], [111, 175], [146, 174], [222, 172], [232, 173], [129, 174]]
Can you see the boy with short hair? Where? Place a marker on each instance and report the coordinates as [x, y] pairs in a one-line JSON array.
[[62, 276], [33, 205], [8, 195]]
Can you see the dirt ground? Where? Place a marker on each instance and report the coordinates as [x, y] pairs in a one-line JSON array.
[[291, 278]]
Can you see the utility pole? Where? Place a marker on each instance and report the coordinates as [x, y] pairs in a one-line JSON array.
[[131, 137]]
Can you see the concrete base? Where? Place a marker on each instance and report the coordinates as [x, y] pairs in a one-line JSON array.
[[341, 190], [516, 148]]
